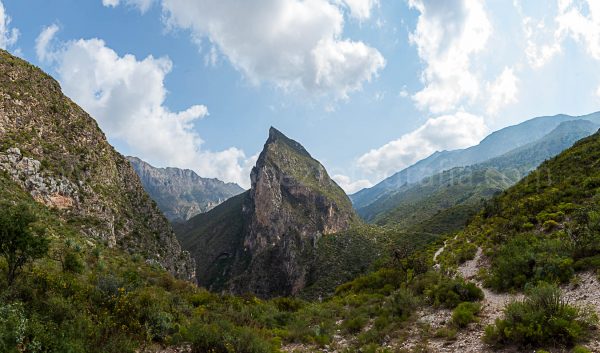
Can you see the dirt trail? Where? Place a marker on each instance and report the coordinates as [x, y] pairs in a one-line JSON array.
[[585, 292]]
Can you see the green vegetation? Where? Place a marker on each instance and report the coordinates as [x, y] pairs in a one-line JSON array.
[[20, 243], [542, 318], [465, 313], [545, 228], [85, 297]]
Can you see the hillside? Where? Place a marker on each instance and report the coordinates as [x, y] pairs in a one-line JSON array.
[[56, 152], [181, 193], [263, 241], [459, 192], [494, 145]]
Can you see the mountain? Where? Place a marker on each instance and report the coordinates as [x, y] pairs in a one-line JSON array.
[[181, 193], [494, 145], [427, 205], [55, 151], [263, 241]]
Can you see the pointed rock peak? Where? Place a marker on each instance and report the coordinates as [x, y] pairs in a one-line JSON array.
[[276, 136]]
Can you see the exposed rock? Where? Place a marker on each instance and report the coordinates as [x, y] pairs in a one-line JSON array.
[[181, 193], [60, 193], [56, 152], [264, 240]]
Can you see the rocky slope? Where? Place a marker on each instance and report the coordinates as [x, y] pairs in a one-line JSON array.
[[181, 193], [55, 151], [263, 241]]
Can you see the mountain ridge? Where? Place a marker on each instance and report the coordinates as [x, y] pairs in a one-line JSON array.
[[56, 152], [182, 193], [510, 137]]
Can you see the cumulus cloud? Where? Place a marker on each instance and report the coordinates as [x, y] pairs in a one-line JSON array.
[[446, 132], [447, 36], [502, 91], [8, 36], [349, 186], [290, 43], [142, 5], [126, 96]]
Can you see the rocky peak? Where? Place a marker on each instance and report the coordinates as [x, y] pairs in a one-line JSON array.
[[264, 241]]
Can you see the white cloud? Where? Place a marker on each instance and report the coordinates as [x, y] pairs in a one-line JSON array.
[[8, 36], [361, 9], [579, 25], [442, 133], [542, 42], [503, 91], [142, 5], [447, 36], [349, 186], [42, 43], [126, 96], [290, 43], [598, 92], [212, 57]]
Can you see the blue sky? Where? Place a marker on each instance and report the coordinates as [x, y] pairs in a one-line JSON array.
[[367, 86]]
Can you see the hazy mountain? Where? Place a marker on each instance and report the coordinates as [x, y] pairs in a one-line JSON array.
[[460, 191], [181, 193], [494, 145]]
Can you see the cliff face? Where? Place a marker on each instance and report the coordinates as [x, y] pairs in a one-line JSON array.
[[55, 151], [181, 193], [265, 240]]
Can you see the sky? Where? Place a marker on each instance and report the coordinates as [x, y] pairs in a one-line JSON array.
[[369, 87]]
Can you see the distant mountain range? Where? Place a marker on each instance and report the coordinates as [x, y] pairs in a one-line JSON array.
[[494, 145], [181, 193], [455, 182]]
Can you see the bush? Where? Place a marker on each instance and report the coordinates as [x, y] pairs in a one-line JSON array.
[[465, 313], [526, 259], [542, 318], [224, 337], [355, 324], [581, 349], [444, 291], [73, 263], [403, 303]]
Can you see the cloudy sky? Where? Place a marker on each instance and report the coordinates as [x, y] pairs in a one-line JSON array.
[[367, 86]]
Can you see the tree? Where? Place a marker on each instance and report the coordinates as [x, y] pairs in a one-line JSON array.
[[20, 241]]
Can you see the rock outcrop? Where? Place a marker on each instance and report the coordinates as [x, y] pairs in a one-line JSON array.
[[264, 241], [181, 193], [56, 151]]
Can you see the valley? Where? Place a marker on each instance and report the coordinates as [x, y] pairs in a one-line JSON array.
[[492, 248]]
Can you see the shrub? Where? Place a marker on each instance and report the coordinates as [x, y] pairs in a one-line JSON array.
[[73, 262], [444, 291], [526, 259], [465, 313], [403, 303], [354, 324], [20, 240], [448, 333], [542, 318], [581, 349], [224, 337]]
